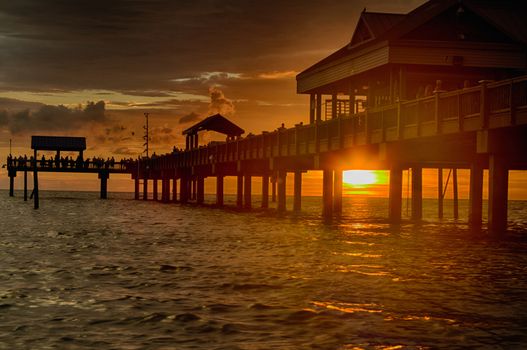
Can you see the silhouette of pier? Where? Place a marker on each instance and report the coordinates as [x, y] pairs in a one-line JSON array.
[[441, 87], [60, 164]]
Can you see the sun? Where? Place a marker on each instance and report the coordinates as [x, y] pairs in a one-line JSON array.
[[359, 177]]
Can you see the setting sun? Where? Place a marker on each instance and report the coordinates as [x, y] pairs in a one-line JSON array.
[[359, 177]]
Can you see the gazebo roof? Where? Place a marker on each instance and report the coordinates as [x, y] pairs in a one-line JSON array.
[[216, 123], [58, 143]]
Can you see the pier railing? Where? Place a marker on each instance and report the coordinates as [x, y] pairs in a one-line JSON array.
[[489, 105]]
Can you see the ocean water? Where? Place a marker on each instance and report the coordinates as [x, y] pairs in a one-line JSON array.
[[84, 273]]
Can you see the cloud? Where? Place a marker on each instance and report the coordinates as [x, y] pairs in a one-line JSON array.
[[278, 75], [189, 118], [219, 103], [55, 118]]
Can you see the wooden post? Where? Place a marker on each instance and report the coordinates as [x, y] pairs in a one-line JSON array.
[[247, 191], [12, 175], [25, 185], [396, 191], [136, 188], [154, 188], [498, 196], [239, 191], [219, 190], [475, 210], [104, 175], [456, 197], [319, 108], [297, 201], [174, 189], [281, 182], [200, 190], [312, 108], [273, 188], [440, 193], [184, 188], [327, 193], [333, 106], [145, 187], [265, 191], [417, 193], [337, 191], [35, 182]]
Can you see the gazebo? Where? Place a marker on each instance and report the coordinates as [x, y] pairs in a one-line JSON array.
[[217, 123]]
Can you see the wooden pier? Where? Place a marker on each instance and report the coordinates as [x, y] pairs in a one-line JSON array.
[[441, 87], [57, 165], [477, 128]]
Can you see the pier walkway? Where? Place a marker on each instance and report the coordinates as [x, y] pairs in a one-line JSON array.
[[476, 128]]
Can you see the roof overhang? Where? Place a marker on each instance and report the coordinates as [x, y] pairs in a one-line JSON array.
[[58, 143]]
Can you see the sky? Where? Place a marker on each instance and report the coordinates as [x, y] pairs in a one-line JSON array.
[[93, 68]]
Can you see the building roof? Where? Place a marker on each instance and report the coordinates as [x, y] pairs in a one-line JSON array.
[[216, 123], [58, 143], [505, 15]]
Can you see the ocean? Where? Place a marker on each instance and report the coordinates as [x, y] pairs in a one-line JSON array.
[[85, 273]]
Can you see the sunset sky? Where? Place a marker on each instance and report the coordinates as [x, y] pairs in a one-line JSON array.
[[181, 61]]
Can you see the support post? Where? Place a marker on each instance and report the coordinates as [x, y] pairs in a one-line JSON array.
[[337, 192], [281, 182], [239, 191], [475, 209], [247, 192], [297, 202], [25, 185], [145, 188], [184, 189], [174, 190], [312, 108], [136, 188], [200, 190], [327, 193], [440, 193], [396, 192], [319, 108], [456, 196], [265, 191], [417, 193], [219, 190], [35, 182], [104, 175], [154, 188], [498, 196], [274, 179], [11, 183]]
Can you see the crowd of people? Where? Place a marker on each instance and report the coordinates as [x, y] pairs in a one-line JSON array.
[[68, 162]]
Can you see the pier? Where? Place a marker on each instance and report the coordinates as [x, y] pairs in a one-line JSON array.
[[60, 144], [408, 92]]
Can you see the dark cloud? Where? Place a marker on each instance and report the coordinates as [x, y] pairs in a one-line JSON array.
[[190, 118], [55, 118], [14, 104], [129, 45]]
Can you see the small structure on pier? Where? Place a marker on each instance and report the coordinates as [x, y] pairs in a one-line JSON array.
[[215, 122], [58, 164]]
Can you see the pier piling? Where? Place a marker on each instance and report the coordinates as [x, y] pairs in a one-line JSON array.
[[25, 186], [327, 193], [219, 190], [239, 191], [498, 196], [265, 191], [281, 182], [247, 191], [297, 202], [417, 193], [475, 209], [337, 192], [396, 191]]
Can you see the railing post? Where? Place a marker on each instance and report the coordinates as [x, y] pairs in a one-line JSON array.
[[483, 109], [437, 116], [400, 124], [512, 103]]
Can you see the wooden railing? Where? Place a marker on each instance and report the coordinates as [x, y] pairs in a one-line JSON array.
[[489, 105]]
